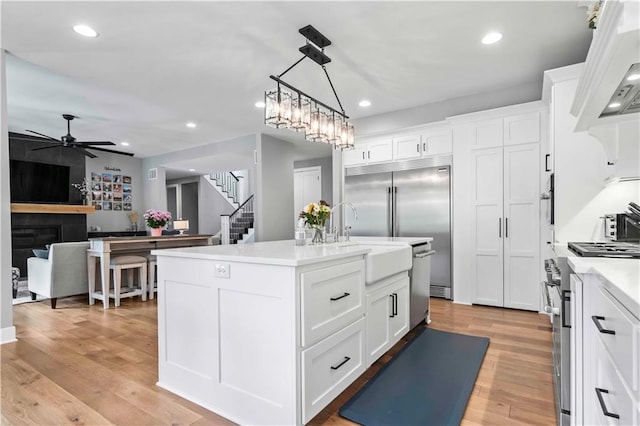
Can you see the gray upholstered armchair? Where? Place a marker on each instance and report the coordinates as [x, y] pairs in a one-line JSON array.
[[63, 274]]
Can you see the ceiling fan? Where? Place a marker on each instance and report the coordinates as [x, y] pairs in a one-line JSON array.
[[69, 141]]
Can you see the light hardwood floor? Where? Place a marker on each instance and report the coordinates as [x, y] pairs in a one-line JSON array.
[[86, 366]]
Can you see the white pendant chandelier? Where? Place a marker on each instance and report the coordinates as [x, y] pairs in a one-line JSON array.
[[287, 107]]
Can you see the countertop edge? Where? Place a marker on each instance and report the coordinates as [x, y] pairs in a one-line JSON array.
[[182, 253]]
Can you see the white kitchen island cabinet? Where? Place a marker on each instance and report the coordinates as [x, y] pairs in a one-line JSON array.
[[265, 333]]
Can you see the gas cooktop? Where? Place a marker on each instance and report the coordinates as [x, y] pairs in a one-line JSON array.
[[606, 249]]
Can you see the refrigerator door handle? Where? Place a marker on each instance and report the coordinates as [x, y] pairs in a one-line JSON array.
[[499, 227], [395, 217], [390, 211]]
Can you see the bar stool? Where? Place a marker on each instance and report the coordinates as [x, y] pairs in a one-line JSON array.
[[152, 263], [121, 263]]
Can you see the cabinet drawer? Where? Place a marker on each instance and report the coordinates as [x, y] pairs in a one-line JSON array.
[[331, 298], [330, 366], [623, 347], [615, 398]]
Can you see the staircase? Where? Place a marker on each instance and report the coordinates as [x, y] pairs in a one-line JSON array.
[[240, 229], [226, 183], [237, 228]]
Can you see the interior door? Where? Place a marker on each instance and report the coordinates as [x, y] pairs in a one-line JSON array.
[[369, 195], [487, 226], [521, 226], [307, 188]]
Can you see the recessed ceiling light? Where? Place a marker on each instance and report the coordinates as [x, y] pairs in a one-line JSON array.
[[491, 38], [191, 124], [260, 104], [633, 77], [614, 104], [85, 30], [124, 143], [364, 103], [192, 170]]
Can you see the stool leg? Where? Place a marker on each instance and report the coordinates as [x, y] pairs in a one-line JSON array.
[[117, 276], [143, 281]]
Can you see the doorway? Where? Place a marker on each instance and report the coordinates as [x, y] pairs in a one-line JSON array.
[[182, 202]]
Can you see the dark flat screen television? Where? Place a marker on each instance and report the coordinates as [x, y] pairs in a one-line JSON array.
[[39, 182]]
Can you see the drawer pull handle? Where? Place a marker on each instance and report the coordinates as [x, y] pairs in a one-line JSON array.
[[333, 299], [335, 367], [596, 320], [599, 392], [393, 305]]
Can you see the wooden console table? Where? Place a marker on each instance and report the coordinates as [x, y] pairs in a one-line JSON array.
[[100, 249]]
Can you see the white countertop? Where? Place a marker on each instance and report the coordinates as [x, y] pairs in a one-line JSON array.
[[412, 241], [621, 276], [284, 253]]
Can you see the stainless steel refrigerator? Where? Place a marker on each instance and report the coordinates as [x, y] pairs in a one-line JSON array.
[[405, 203]]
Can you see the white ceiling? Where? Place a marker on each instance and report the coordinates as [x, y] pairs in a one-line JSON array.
[[157, 65]]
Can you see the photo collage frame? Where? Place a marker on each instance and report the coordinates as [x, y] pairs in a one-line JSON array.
[[111, 192]]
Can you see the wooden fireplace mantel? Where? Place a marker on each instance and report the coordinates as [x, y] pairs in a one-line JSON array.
[[51, 208]]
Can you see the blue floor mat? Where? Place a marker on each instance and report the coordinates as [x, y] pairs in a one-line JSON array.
[[427, 383]]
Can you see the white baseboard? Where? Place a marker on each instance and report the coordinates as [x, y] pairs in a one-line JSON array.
[[7, 335], [462, 303]]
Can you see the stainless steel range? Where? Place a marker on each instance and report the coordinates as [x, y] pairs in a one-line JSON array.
[[606, 249]]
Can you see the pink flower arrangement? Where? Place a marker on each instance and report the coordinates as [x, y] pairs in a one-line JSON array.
[[157, 218]]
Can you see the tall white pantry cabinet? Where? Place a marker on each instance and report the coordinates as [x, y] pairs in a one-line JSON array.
[[500, 167]]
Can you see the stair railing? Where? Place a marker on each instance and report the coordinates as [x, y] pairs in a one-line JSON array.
[[228, 221], [228, 182]]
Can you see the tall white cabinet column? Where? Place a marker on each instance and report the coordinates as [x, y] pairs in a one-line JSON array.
[[501, 193]]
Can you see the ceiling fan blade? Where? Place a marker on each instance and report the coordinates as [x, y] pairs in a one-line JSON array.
[[45, 147], [28, 138], [94, 143], [85, 152], [113, 151], [43, 135]]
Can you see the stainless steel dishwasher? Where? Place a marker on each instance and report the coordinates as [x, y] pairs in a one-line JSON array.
[[420, 280]]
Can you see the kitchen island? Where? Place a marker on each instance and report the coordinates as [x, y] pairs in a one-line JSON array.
[[270, 333]]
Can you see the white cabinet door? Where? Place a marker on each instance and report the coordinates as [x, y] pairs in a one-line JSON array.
[[407, 147], [487, 235], [521, 226], [437, 142], [355, 156], [486, 134], [379, 151], [379, 308], [399, 319], [523, 128]]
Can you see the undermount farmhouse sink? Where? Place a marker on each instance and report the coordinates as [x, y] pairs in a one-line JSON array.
[[383, 260]]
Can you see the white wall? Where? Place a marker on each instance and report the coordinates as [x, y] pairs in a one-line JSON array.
[[120, 165], [274, 195], [211, 205], [461, 217], [438, 111], [7, 330]]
